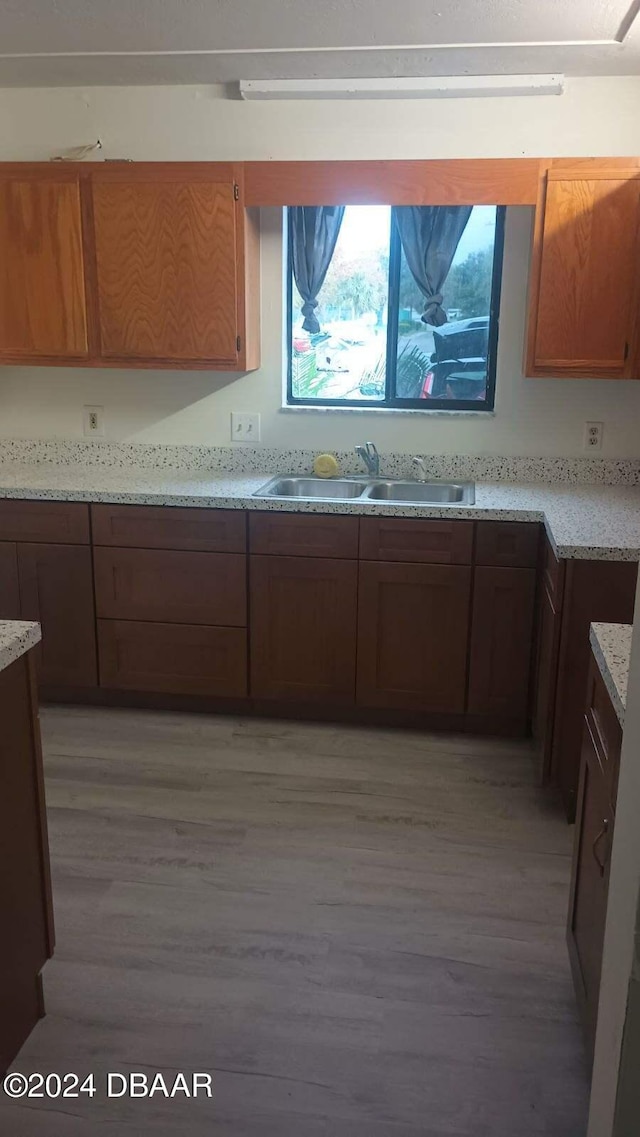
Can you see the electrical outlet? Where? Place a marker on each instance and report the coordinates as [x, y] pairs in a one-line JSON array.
[[93, 422], [245, 427], [593, 432]]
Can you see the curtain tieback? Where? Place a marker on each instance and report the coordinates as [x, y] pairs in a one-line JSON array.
[[310, 322], [434, 313]]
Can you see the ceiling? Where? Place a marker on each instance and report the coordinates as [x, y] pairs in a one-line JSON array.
[[95, 42]]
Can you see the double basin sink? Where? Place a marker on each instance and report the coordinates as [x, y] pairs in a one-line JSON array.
[[370, 490]]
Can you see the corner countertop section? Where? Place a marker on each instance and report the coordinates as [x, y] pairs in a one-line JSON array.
[[588, 522], [16, 638], [611, 645]]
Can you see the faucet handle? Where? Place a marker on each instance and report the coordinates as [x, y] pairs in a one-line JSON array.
[[419, 468]]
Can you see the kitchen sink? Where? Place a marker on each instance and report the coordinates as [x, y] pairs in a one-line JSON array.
[[422, 493], [325, 489], [371, 490]]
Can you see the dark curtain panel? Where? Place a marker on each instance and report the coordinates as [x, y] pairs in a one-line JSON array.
[[313, 233], [430, 235]]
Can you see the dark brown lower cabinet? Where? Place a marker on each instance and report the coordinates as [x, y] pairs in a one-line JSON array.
[[594, 590], [179, 659], [303, 628], [9, 587], [549, 626], [600, 755], [413, 622], [56, 588], [26, 918], [501, 633]]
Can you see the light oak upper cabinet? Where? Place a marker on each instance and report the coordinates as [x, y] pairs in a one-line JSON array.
[[43, 314], [176, 263], [584, 297]]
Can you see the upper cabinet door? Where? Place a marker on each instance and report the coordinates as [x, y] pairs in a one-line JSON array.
[[167, 266], [42, 289], [584, 299]]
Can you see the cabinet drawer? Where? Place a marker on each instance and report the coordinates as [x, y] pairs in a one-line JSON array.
[[426, 541], [303, 535], [172, 658], [175, 587], [169, 527], [605, 730], [552, 575], [507, 544], [60, 522]]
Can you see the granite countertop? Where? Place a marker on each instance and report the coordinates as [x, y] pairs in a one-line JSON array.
[[592, 522], [16, 638], [611, 645]]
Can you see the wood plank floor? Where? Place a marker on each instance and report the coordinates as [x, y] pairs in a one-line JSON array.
[[358, 933]]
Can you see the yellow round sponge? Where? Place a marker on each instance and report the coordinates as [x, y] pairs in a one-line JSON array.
[[326, 466]]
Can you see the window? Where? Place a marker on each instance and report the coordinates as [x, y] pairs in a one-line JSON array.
[[373, 348]]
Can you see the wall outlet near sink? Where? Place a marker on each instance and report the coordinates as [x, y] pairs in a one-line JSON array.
[[93, 422], [245, 426], [593, 432]]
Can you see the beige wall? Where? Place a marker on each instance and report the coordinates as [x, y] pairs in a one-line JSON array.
[[543, 417]]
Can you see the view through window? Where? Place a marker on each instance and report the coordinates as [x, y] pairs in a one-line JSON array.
[[373, 345]]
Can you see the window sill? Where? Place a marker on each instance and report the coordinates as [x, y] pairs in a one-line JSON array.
[[386, 411]]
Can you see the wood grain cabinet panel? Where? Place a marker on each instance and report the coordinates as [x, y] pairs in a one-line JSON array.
[[26, 914], [594, 591], [595, 820], [42, 289], [303, 535], [167, 273], [507, 544], [303, 628], [427, 541], [179, 659], [584, 298], [171, 587], [169, 527], [501, 642], [549, 624], [56, 588], [9, 585], [60, 522], [413, 623]]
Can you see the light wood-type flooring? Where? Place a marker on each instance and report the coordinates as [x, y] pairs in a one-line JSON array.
[[358, 933]]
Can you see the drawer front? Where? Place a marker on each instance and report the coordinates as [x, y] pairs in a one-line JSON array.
[[507, 544], [426, 541], [58, 522], [552, 575], [180, 659], [169, 527], [181, 588], [605, 729], [303, 535]]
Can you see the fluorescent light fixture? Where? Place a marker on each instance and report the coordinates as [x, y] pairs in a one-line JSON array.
[[443, 87]]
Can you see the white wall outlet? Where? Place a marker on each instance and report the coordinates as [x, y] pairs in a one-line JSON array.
[[245, 427], [93, 422], [593, 432]]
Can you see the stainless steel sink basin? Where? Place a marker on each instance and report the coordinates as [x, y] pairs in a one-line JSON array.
[[370, 490], [422, 493], [323, 489]]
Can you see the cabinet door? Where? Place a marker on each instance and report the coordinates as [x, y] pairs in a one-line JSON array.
[[42, 295], [303, 628], [56, 588], [501, 633], [9, 588], [413, 624], [584, 277], [25, 887], [166, 265], [589, 890], [548, 648]]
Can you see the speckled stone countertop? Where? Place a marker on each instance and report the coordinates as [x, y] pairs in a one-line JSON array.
[[611, 645], [591, 522], [16, 638]]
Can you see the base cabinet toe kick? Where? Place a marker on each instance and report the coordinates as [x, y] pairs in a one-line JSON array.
[[471, 625]]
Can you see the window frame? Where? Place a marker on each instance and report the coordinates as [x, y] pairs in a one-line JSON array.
[[392, 402]]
